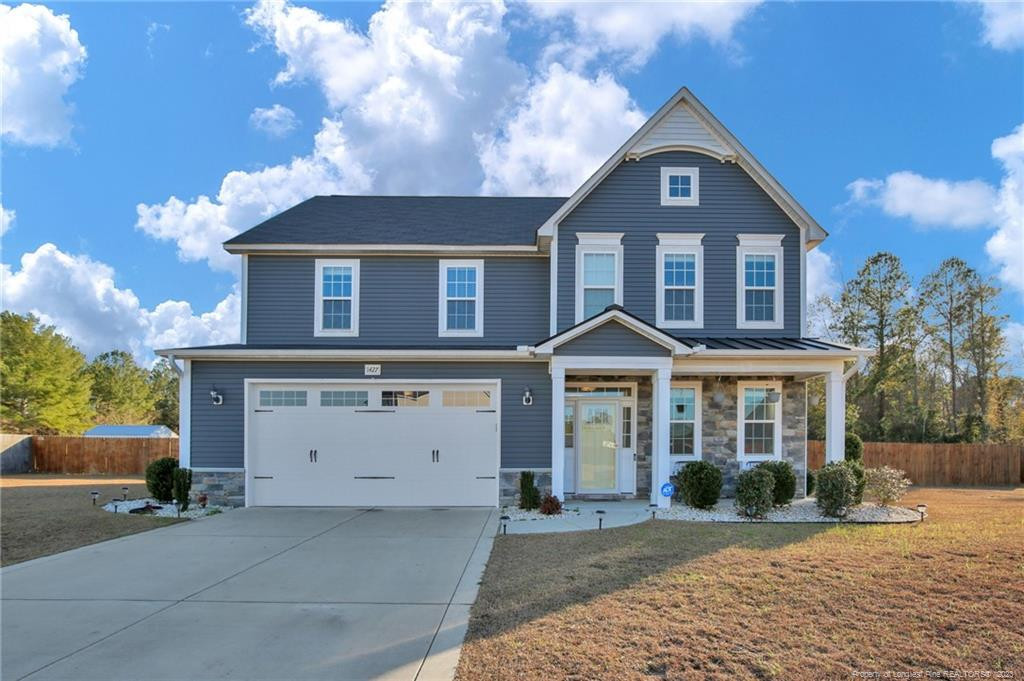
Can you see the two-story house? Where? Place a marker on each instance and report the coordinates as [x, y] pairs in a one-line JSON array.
[[423, 351]]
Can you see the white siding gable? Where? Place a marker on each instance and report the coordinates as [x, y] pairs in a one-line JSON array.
[[679, 128]]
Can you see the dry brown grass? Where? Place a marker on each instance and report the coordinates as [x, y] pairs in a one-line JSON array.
[[45, 514], [699, 601]]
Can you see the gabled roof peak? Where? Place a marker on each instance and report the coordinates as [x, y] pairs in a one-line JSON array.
[[684, 123]]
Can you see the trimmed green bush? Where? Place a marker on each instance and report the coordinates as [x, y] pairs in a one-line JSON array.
[[755, 492], [836, 488], [854, 447], [698, 484], [810, 483], [785, 481], [182, 486], [858, 473], [160, 478], [529, 495]]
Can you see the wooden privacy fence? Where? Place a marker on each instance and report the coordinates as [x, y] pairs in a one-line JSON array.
[[53, 454], [936, 464]]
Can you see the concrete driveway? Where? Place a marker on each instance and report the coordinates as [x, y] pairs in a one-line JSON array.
[[263, 593]]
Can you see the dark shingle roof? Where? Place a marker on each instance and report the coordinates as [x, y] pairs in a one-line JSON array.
[[448, 220]]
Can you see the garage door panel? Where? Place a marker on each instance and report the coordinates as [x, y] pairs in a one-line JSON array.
[[372, 445]]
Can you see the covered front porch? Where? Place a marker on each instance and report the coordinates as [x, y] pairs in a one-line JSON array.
[[622, 424]]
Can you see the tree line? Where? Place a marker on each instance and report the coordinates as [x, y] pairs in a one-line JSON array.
[[50, 389], [942, 368]]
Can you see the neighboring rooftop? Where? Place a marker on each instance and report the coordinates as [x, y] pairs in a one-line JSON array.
[[434, 220], [130, 431]]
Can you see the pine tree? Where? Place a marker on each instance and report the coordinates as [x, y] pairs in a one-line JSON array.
[[120, 390], [45, 382]]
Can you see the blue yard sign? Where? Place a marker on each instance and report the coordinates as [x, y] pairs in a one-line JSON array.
[[668, 489]]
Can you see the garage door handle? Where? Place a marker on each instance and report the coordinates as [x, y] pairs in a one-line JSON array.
[[316, 456], [311, 456]]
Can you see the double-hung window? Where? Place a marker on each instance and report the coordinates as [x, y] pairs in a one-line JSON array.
[[461, 298], [759, 421], [759, 282], [337, 298], [684, 421], [680, 291], [598, 273], [680, 186]]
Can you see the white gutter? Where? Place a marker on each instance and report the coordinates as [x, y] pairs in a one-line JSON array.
[[858, 366]]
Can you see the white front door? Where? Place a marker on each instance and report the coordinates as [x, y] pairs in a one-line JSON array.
[[372, 444], [598, 447]]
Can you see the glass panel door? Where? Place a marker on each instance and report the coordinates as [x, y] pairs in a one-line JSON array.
[[597, 446]]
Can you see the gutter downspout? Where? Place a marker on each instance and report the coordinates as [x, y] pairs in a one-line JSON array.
[[858, 366], [174, 363]]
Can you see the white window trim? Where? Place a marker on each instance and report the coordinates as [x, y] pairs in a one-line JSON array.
[[442, 299], [740, 421], [698, 423], [318, 312], [759, 244], [684, 244], [598, 242], [693, 199]]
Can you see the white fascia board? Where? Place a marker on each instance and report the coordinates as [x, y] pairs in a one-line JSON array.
[[609, 363], [746, 160], [386, 249], [649, 332], [769, 366], [341, 354]]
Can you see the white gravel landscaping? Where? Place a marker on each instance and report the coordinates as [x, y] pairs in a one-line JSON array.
[[167, 510], [800, 511], [629, 512]]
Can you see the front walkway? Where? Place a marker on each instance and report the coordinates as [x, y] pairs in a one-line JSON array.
[[260, 593]]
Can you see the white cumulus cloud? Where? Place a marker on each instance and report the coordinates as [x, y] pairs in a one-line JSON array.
[[275, 121], [412, 91], [78, 295], [561, 132], [1003, 23], [822, 277], [40, 58], [928, 202], [963, 204], [635, 29], [1006, 247], [199, 227], [6, 219]]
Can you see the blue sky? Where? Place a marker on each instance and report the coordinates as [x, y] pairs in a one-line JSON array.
[[157, 100]]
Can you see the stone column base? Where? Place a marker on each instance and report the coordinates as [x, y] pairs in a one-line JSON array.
[[222, 488], [508, 485]]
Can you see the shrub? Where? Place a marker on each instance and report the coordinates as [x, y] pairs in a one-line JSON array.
[[785, 481], [810, 483], [550, 505], [698, 484], [836, 486], [529, 495], [160, 478], [755, 491], [858, 473], [885, 485], [854, 447], [182, 486]]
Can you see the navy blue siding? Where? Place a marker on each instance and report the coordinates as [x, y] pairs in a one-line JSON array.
[[398, 302], [731, 203], [612, 339], [217, 431]]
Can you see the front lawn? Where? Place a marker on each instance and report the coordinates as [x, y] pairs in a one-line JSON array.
[[700, 600], [44, 514]]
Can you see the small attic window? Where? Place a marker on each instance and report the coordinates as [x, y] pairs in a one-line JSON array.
[[680, 186]]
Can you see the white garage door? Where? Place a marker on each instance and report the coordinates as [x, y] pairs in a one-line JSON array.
[[372, 444]]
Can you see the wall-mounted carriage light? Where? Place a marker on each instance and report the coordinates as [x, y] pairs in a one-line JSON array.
[[216, 397], [527, 396], [773, 396]]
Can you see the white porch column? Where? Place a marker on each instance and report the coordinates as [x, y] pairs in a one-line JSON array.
[[558, 432], [661, 468], [835, 416]]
